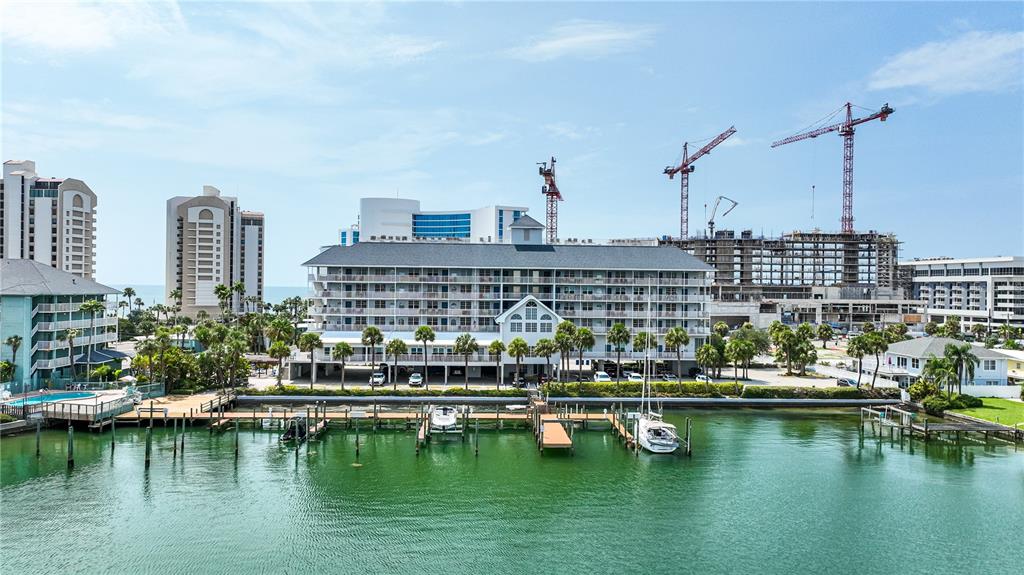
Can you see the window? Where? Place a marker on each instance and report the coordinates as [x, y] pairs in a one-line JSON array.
[[915, 363], [901, 362], [516, 327], [531, 311], [989, 365]]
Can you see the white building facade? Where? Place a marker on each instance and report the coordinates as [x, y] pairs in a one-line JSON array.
[[989, 291], [210, 241], [904, 361], [396, 219], [502, 291], [48, 220]]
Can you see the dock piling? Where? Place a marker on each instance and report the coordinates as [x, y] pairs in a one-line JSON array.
[[236, 439], [71, 446], [113, 432], [38, 426], [174, 440], [476, 439], [149, 444]]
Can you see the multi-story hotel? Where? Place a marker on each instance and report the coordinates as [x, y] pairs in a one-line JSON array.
[[211, 241], [395, 219], [989, 290], [522, 288], [48, 220], [40, 304]]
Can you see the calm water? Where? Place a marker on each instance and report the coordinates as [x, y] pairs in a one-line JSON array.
[[765, 492]]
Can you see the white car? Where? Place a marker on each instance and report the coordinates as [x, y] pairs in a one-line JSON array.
[[415, 380], [636, 377], [704, 378], [600, 376], [377, 378]]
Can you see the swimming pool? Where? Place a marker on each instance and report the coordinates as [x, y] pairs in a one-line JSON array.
[[46, 397]]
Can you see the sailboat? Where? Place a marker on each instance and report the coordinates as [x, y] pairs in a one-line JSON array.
[[652, 432], [444, 419]]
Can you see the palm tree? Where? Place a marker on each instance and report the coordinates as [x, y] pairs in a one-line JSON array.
[[128, 294], [545, 348], [466, 345], [279, 329], [565, 339], [122, 305], [235, 345], [424, 334], [825, 334], [583, 340], [342, 351], [518, 348], [676, 339], [279, 350], [14, 342], [963, 360], [708, 356], [239, 289], [91, 307], [721, 328], [876, 345], [735, 353], [223, 294], [1006, 331], [372, 337], [857, 349], [139, 304], [940, 371], [163, 343], [395, 348], [309, 342], [618, 336], [641, 343], [146, 349], [69, 336], [496, 349]]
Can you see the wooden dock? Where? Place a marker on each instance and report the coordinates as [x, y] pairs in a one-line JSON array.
[[900, 421]]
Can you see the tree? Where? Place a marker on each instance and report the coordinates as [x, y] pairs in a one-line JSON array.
[[121, 305], [495, 350], [950, 327], [940, 371], [279, 350], [739, 351], [707, 357], [565, 339], [128, 294], [721, 328], [978, 330], [163, 343], [69, 336], [962, 359], [825, 334], [279, 329], [931, 328], [425, 334], [583, 340], [643, 341], [342, 351], [395, 348], [6, 371], [91, 307], [13, 342], [466, 345], [786, 342], [896, 332], [875, 344], [371, 338], [676, 339], [518, 348], [857, 349], [310, 342], [618, 336], [805, 331], [238, 288], [223, 294], [1006, 332], [867, 327], [545, 348], [234, 346]]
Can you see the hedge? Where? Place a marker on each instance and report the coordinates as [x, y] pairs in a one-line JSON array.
[[633, 388], [779, 392], [936, 404], [362, 392], [4, 418]]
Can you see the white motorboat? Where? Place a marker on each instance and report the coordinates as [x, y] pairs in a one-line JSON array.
[[655, 435], [444, 419]]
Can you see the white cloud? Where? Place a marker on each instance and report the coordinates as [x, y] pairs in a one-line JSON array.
[[73, 27], [737, 141], [584, 39], [972, 62], [569, 131]]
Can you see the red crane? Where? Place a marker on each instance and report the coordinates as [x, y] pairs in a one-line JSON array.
[[550, 189], [845, 129], [684, 169]]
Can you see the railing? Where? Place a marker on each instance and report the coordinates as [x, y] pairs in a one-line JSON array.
[[75, 324], [48, 345], [151, 390], [81, 411], [221, 400]]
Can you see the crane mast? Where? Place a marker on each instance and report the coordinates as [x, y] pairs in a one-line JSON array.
[[684, 169], [550, 191], [846, 130]]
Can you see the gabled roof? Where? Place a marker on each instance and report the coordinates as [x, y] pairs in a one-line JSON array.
[[526, 221], [923, 347], [521, 304], [31, 278]]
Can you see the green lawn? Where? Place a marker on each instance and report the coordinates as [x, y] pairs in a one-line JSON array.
[[998, 410]]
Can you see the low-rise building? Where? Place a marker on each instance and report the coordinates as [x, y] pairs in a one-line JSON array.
[[501, 291], [904, 362], [40, 304], [398, 219]]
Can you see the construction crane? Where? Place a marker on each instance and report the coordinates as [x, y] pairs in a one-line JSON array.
[[550, 190], [711, 220], [845, 129], [684, 169]]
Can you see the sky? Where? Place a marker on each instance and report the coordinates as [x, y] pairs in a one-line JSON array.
[[300, 109]]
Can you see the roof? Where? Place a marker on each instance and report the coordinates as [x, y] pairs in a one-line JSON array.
[[467, 255], [923, 347], [101, 356], [526, 221], [31, 278], [521, 304]]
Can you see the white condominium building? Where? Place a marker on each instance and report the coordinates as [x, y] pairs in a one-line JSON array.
[[523, 288], [48, 220], [394, 219], [983, 290], [210, 241]]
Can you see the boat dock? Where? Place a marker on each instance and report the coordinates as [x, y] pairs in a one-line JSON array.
[[909, 425]]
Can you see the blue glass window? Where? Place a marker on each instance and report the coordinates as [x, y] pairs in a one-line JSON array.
[[441, 225]]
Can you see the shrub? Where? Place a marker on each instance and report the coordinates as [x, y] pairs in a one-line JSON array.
[[921, 389], [780, 392], [965, 401], [936, 404], [359, 392], [633, 389], [4, 418]]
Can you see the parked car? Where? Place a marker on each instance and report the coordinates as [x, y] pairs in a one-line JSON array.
[[667, 377], [704, 378], [518, 380], [377, 378], [415, 379], [633, 376], [846, 383], [600, 376]]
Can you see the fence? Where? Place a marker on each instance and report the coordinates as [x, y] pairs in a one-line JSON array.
[[76, 411]]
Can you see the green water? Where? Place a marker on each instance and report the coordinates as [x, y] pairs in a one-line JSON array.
[[765, 492]]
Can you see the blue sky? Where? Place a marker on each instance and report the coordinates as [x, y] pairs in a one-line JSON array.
[[301, 109]]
